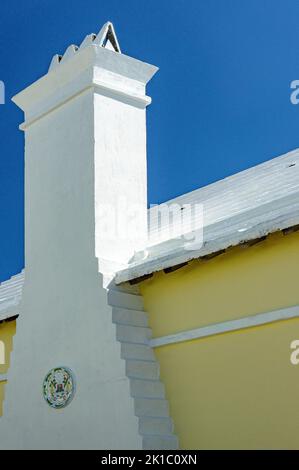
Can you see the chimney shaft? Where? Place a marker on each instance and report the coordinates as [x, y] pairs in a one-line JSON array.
[[85, 144], [85, 154]]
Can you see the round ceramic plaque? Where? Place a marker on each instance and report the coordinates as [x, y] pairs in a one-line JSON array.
[[59, 387]]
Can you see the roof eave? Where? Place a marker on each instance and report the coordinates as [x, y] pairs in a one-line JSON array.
[[220, 236]]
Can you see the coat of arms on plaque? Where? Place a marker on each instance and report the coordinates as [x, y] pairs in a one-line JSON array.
[[59, 387]]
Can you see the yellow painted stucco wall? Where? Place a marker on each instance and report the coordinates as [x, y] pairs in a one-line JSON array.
[[234, 390], [7, 332]]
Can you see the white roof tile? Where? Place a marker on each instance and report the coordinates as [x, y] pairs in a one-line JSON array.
[[242, 207], [10, 295]]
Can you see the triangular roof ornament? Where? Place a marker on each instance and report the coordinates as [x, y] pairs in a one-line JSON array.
[[107, 38]]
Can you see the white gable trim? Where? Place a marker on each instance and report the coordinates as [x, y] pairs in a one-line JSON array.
[[227, 326]]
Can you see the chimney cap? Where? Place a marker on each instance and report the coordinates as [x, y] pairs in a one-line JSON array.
[[95, 64], [105, 38]]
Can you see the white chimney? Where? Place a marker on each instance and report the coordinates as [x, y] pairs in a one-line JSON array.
[[85, 134], [85, 150]]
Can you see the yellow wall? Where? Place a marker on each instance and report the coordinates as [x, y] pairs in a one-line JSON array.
[[7, 332], [236, 390]]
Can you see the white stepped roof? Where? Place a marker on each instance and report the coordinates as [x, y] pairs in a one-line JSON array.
[[242, 207], [10, 296], [105, 38]]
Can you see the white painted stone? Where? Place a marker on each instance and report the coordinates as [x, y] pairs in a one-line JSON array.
[[155, 426], [147, 388], [69, 53], [109, 45], [160, 442], [123, 300], [55, 62], [108, 35], [152, 407], [133, 334], [137, 351], [85, 143], [124, 316], [89, 39], [142, 369]]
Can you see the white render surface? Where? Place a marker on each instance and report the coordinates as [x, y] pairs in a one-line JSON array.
[[84, 111]]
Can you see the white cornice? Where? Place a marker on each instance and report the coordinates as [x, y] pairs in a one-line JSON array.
[[79, 86], [93, 66]]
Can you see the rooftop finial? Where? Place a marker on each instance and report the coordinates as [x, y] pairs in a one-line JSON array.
[[105, 38]]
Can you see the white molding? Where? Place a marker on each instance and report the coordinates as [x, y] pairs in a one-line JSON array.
[[138, 100], [91, 67], [227, 326], [3, 378], [116, 92]]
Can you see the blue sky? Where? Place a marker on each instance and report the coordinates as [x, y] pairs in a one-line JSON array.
[[221, 100]]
